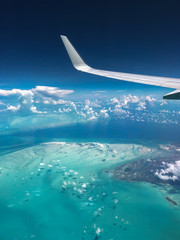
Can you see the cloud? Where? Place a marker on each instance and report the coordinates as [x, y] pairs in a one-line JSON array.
[[172, 172], [104, 113], [51, 91], [115, 100], [94, 103], [55, 102], [90, 113], [42, 90], [6, 93], [52, 101], [144, 109], [34, 110], [13, 108], [26, 97]]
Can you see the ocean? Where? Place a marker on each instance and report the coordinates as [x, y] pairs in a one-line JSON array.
[[57, 172]]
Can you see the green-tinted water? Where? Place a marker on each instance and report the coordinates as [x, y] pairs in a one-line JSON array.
[[60, 191]]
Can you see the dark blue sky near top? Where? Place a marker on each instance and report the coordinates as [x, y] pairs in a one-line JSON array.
[[128, 36]]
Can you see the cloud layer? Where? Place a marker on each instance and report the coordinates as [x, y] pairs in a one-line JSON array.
[[56, 103]]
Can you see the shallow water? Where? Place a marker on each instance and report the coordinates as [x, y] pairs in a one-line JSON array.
[[58, 155], [59, 190]]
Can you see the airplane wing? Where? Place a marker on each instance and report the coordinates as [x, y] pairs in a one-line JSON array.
[[80, 65]]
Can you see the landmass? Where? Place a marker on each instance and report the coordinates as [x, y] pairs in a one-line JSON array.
[[158, 170]]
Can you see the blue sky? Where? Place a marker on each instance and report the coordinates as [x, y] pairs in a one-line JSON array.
[[132, 36]]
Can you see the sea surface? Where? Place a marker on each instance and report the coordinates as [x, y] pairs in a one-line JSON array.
[[56, 170]]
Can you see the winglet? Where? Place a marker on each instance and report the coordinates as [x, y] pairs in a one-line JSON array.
[[76, 60]]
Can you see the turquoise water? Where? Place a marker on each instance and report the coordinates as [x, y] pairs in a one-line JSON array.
[[56, 150], [59, 190]]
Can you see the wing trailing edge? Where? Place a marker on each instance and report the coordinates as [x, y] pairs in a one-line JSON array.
[[80, 65]]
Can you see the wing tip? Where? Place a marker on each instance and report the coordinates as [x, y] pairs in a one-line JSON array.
[[62, 36], [76, 59]]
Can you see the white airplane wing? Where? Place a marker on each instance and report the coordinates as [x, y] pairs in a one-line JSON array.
[[80, 65]]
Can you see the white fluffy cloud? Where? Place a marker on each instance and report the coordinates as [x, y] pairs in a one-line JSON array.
[[55, 102], [26, 97], [90, 113], [135, 108], [50, 100], [171, 172], [51, 91], [94, 103], [13, 108], [6, 93], [43, 90], [104, 113]]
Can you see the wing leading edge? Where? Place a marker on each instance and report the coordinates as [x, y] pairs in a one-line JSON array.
[[80, 65]]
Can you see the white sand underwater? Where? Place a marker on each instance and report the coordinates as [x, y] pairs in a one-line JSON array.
[[59, 190]]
